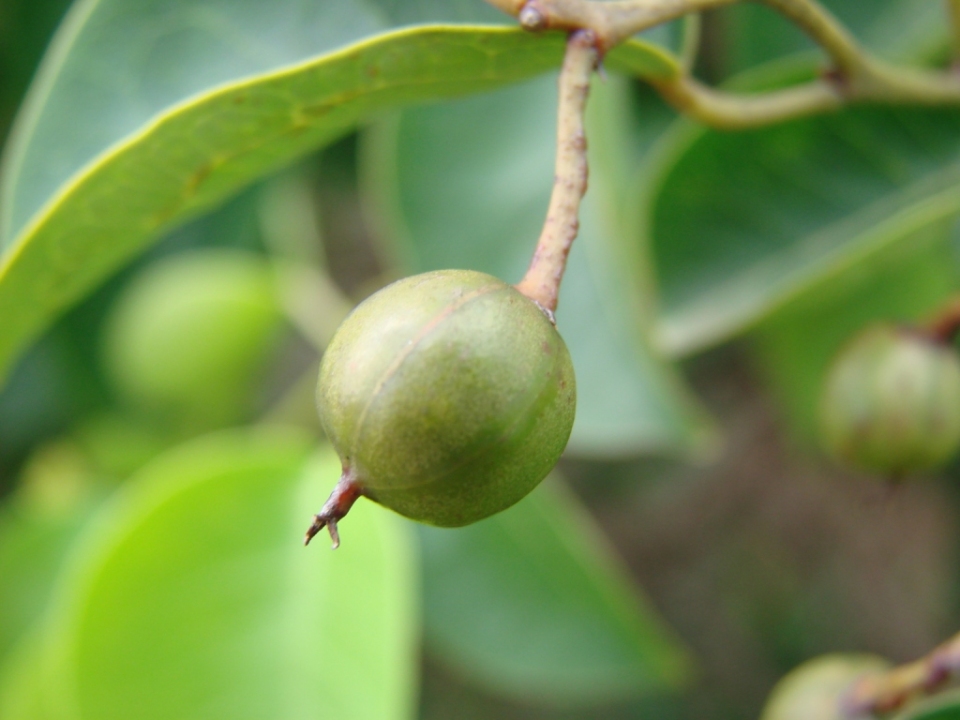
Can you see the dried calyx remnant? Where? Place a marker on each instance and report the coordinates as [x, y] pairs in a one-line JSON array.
[[450, 395]]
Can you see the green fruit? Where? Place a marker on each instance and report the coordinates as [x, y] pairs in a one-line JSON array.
[[891, 403], [820, 689], [189, 335], [448, 396]]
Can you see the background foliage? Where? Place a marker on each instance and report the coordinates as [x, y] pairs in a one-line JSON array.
[[195, 193]]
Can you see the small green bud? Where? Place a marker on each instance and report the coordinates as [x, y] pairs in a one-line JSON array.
[[449, 396], [818, 689], [891, 402]]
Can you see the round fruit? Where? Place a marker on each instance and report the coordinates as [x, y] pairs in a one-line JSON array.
[[189, 335], [891, 402], [448, 396], [818, 689]]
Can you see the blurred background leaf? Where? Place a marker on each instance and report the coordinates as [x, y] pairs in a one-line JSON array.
[[535, 605], [169, 610], [790, 207], [946, 707], [57, 493], [900, 30]]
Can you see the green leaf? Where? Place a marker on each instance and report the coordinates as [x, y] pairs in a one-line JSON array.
[[899, 30], [942, 707], [534, 604], [192, 596], [147, 113], [22, 683], [32, 548], [466, 185], [57, 492], [797, 344], [742, 223]]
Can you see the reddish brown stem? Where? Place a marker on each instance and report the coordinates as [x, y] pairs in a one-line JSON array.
[[344, 495], [542, 281], [945, 326], [889, 691]]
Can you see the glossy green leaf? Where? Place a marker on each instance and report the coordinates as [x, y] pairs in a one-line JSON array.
[[144, 114], [741, 223], [533, 603], [466, 185], [192, 596], [797, 344]]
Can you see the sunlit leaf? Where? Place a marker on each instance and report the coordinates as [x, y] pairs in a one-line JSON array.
[[192, 596]]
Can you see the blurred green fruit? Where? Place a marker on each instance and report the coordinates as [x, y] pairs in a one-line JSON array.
[[816, 689], [189, 334], [449, 396], [891, 402]]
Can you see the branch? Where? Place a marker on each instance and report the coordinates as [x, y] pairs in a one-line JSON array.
[[953, 8], [857, 75], [542, 281], [614, 22], [692, 38], [731, 111], [828, 32], [891, 690]]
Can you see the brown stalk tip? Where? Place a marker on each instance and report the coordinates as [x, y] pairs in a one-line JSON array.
[[344, 495]]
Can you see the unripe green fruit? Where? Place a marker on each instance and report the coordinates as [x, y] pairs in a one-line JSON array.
[[818, 689], [891, 402], [189, 334], [448, 396]]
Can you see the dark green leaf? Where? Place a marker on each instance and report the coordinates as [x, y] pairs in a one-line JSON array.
[[57, 493], [533, 603], [744, 222]]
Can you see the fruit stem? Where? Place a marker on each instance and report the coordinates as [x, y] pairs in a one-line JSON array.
[[542, 281], [344, 495], [889, 691]]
